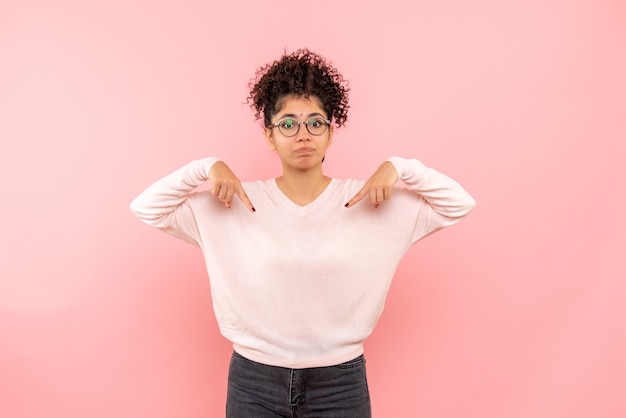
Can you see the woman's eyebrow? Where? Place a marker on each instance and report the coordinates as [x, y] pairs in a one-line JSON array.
[[293, 115]]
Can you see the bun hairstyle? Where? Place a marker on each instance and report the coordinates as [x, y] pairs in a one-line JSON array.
[[301, 73]]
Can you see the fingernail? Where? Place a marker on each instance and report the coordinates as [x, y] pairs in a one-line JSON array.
[[253, 209], [346, 205]]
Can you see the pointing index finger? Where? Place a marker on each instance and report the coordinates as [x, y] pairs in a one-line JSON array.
[[241, 193], [357, 197]]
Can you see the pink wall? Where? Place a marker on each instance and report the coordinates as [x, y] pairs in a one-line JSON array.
[[516, 312]]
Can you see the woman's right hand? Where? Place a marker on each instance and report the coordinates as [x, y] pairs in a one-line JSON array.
[[224, 185]]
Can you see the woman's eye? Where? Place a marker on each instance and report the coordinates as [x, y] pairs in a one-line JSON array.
[[314, 123], [287, 124]]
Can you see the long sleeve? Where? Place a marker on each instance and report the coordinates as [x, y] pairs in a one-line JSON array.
[[446, 201], [163, 204]]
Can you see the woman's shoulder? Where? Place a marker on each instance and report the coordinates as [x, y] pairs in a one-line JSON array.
[[349, 184], [266, 184]]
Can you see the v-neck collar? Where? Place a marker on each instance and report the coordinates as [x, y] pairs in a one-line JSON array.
[[321, 198]]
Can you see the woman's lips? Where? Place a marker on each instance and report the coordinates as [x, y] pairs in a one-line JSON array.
[[304, 150]]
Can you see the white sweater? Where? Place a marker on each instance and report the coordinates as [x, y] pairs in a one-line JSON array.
[[301, 286]]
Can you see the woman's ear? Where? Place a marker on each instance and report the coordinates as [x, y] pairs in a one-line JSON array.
[[269, 138], [331, 131]]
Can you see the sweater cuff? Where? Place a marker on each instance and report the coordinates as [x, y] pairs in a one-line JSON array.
[[206, 164], [405, 167]]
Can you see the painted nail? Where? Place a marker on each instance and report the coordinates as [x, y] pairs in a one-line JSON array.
[[346, 205], [253, 209]]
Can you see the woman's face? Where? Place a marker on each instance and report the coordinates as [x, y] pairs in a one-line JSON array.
[[303, 150]]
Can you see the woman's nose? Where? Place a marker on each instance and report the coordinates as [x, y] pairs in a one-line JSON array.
[[303, 134]]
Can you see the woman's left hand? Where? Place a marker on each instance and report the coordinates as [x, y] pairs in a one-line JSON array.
[[379, 186]]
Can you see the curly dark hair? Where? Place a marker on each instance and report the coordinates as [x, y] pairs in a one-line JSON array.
[[301, 73]]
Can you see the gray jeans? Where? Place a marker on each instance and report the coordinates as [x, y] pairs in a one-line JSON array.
[[260, 391]]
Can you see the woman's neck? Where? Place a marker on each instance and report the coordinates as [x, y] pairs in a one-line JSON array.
[[302, 187]]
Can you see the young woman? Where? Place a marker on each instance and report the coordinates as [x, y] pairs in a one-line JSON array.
[[300, 265]]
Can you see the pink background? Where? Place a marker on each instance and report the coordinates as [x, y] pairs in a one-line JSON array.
[[518, 311]]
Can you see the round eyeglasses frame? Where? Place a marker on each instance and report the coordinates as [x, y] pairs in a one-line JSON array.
[[307, 123]]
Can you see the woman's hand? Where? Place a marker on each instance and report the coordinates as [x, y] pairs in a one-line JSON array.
[[224, 185], [379, 186]]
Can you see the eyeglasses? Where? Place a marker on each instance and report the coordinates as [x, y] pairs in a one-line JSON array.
[[290, 127]]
